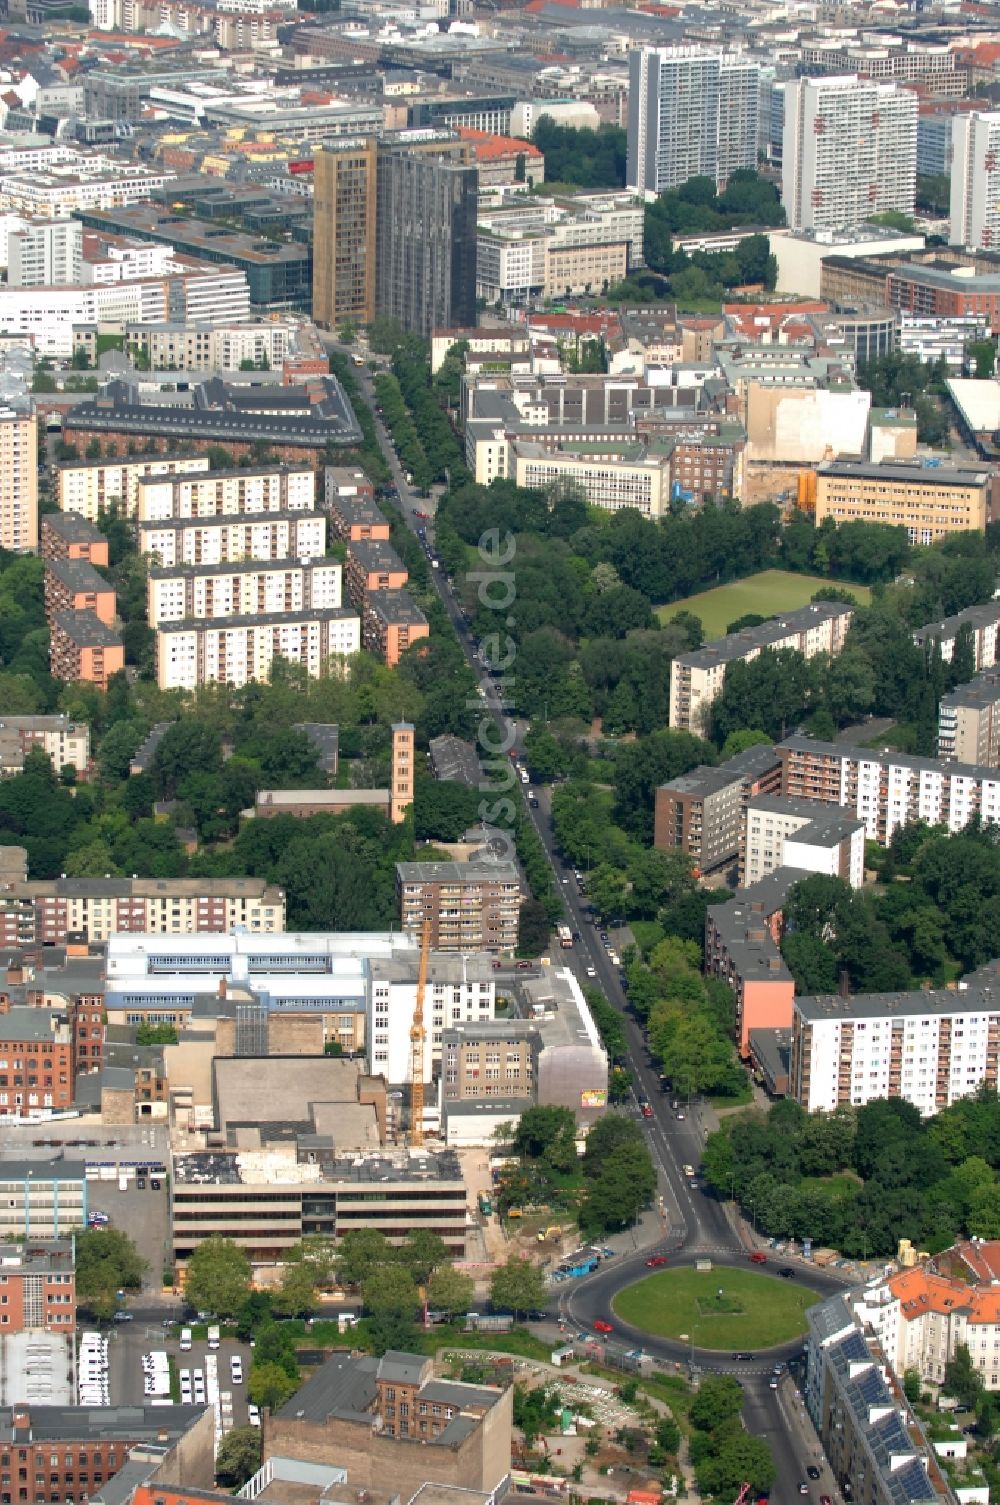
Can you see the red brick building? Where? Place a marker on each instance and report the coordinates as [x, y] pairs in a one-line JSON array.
[[37, 1287]]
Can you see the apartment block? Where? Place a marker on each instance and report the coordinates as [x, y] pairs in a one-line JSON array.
[[83, 649], [691, 113], [975, 181], [931, 1048], [929, 502], [373, 566], [74, 585], [471, 906], [227, 493], [923, 1315], [62, 740], [983, 625], [697, 678], [36, 1061], [236, 650], [68, 535], [702, 812], [849, 150], [888, 789], [45, 912], [861, 1416], [38, 1286], [742, 948], [18, 475], [344, 199], [782, 832], [233, 590], [44, 252], [355, 518], [181, 541], [392, 623], [90, 487], [969, 722]]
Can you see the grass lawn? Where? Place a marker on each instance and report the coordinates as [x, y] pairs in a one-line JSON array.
[[769, 592], [755, 1311], [738, 1099]]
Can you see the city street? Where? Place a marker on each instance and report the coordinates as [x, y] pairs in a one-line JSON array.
[[695, 1224]]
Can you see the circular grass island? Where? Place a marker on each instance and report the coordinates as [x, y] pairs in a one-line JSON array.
[[716, 1309]]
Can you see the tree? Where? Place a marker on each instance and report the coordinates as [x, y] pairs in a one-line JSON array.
[[449, 1291], [270, 1386], [187, 747], [296, 1294], [962, 1379], [392, 1304], [218, 1277], [622, 1187], [107, 1261], [421, 1253], [547, 1133], [362, 1250], [738, 1459], [238, 1458], [518, 1286], [719, 1398]]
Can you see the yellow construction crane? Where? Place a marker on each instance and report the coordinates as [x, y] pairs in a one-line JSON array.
[[417, 1037]]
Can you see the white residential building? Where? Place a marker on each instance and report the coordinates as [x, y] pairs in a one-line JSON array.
[[209, 592], [975, 181], [697, 678], [64, 741], [237, 650], [691, 113], [92, 486], [782, 832], [55, 183], [227, 540], [45, 252], [983, 623], [849, 151], [234, 493], [930, 1048]]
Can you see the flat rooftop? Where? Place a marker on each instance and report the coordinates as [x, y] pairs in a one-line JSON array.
[[230, 1169], [737, 644], [924, 475]]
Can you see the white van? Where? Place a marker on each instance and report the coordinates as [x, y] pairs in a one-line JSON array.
[[185, 1339]]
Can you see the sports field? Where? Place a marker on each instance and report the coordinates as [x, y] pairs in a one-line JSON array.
[[753, 1310], [769, 592]]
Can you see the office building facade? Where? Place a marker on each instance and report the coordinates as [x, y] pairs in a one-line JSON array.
[[344, 177], [930, 503], [427, 198], [849, 151]]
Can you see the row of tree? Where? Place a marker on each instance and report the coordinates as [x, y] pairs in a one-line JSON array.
[[860, 1179]]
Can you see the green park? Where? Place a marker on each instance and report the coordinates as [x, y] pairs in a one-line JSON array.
[[720, 1308], [768, 592]]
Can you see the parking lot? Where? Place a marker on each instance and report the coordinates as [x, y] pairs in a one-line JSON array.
[[141, 1213], [130, 1341]]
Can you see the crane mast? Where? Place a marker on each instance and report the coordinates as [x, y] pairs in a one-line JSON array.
[[417, 1037]]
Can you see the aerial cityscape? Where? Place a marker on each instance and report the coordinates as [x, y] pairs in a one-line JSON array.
[[499, 752]]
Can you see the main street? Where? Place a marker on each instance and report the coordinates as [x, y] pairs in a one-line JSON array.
[[695, 1224]]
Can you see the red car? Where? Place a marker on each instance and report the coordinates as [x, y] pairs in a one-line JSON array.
[[600, 1326], [421, 515], [656, 1261], [647, 1111], [757, 1258]]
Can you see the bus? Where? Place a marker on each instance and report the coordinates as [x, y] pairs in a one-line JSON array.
[[565, 936]]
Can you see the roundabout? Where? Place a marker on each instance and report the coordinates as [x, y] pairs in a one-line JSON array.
[[715, 1310]]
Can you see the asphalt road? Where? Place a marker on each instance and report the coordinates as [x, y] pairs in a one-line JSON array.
[[695, 1224]]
